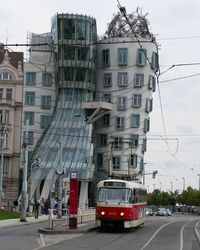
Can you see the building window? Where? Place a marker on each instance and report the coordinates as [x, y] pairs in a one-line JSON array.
[[30, 98], [116, 161], [122, 56], [29, 115], [121, 103], [107, 80], [106, 57], [107, 97], [134, 140], [118, 143], [122, 79], [144, 145], [134, 160], [83, 53], [46, 102], [5, 76], [69, 53], [30, 138], [3, 140], [141, 57], [139, 80], [135, 121], [8, 94], [4, 116], [120, 123], [31, 78], [6, 162], [154, 62], [47, 79], [103, 140], [137, 100], [149, 105], [106, 120], [1, 94], [100, 160], [44, 121], [152, 83], [146, 125]]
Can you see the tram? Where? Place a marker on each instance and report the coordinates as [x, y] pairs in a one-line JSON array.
[[120, 203]]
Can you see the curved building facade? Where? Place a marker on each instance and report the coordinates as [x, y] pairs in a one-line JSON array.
[[67, 142]]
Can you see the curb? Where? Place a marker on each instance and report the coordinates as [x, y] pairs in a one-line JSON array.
[[65, 231], [197, 230]]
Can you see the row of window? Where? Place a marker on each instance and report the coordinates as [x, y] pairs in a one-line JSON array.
[[136, 101], [122, 80], [117, 161], [119, 142], [30, 100], [122, 58], [5, 76], [47, 79], [5, 94], [4, 116], [120, 122], [30, 116]]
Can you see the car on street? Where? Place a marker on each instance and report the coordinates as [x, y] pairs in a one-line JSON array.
[[149, 211], [161, 211], [168, 211]]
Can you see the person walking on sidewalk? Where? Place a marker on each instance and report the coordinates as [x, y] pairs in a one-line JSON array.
[[37, 209]]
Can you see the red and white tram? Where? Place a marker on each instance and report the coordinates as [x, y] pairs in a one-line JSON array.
[[120, 202]]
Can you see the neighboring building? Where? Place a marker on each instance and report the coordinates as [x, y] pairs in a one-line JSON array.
[[102, 97], [39, 95], [11, 85]]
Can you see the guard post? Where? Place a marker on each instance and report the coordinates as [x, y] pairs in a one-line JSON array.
[[73, 200]]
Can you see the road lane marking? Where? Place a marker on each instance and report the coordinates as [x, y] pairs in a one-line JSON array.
[[156, 233], [181, 237]]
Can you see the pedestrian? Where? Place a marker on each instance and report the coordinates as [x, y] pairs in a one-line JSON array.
[[37, 209], [16, 205], [46, 206]]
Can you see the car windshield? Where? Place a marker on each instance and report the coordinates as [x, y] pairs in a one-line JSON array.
[[114, 195], [161, 209]]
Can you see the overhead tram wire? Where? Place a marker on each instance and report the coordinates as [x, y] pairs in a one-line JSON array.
[[123, 11]]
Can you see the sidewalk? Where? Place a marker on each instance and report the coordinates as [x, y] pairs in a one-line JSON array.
[[57, 229], [17, 222]]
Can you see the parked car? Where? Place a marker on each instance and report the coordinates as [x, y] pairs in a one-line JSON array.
[[149, 211], [161, 211], [168, 211]]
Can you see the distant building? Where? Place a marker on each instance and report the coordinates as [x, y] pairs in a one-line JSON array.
[[11, 85]]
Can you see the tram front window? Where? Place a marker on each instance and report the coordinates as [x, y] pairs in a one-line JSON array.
[[114, 195]]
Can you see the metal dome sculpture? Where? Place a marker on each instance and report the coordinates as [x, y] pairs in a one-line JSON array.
[[131, 25]]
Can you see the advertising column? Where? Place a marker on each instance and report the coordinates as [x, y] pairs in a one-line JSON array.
[[73, 200]]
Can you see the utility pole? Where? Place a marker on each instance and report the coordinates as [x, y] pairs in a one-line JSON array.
[[24, 194], [60, 179], [183, 183], [3, 140], [199, 181], [171, 186]]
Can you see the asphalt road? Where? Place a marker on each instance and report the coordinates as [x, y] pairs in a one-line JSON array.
[[159, 233]]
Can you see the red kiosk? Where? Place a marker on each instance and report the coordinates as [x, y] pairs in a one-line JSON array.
[[73, 200]]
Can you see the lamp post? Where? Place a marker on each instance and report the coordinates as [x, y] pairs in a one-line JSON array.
[[3, 141], [183, 183], [171, 186], [199, 181], [24, 194]]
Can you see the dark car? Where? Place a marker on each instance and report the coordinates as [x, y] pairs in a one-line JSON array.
[[161, 211]]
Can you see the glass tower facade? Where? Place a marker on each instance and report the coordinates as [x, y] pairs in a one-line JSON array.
[[67, 142]]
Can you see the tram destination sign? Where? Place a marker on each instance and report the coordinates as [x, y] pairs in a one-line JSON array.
[[114, 184]]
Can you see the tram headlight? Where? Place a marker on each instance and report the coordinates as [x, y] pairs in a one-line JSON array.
[[122, 214], [102, 213]]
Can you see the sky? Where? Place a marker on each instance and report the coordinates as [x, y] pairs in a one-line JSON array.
[[174, 139]]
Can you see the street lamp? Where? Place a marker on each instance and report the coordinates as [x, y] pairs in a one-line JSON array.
[[171, 186], [183, 183], [199, 181], [3, 144]]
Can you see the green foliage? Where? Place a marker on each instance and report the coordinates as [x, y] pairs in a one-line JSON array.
[[4, 214], [190, 197]]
